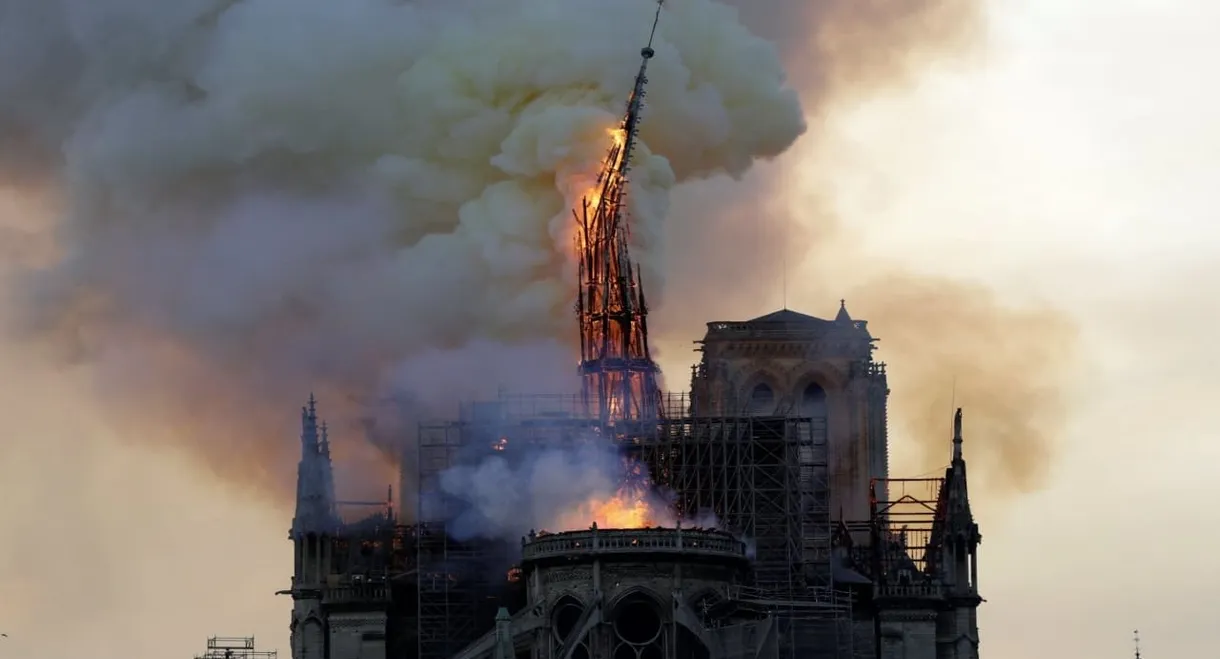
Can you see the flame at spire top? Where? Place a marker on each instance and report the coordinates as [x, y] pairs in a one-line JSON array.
[[619, 376]]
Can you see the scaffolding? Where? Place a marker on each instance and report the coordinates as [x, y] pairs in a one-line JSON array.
[[766, 479], [905, 520], [457, 590], [234, 647]]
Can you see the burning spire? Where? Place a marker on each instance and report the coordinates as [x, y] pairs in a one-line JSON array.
[[619, 376]]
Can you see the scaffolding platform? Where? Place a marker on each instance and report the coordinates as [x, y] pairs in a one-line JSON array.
[[234, 647], [764, 478]]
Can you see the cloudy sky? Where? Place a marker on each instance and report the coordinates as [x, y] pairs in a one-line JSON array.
[[1072, 165], [1069, 165]]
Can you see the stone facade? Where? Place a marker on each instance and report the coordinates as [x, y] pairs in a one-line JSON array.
[[631, 594], [334, 621], [790, 364], [357, 635], [688, 594], [908, 634]]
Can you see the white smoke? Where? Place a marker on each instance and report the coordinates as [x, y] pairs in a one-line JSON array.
[[292, 194], [505, 499], [551, 488]]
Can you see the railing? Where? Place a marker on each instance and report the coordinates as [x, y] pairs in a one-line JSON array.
[[933, 590], [626, 541], [365, 592], [720, 330], [508, 407], [813, 595], [778, 328], [675, 405], [234, 647], [797, 602]]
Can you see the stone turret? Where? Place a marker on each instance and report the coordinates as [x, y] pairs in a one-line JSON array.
[[337, 613], [315, 506], [928, 608], [788, 363], [313, 528], [958, 627]]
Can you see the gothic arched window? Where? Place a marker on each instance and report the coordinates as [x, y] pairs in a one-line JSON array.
[[762, 399], [813, 401]]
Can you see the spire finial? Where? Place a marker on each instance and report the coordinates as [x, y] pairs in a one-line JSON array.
[[957, 435], [843, 316], [648, 52], [1137, 644], [309, 427]]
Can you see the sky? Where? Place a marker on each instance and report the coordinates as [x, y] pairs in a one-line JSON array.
[[1075, 166], [1069, 164]]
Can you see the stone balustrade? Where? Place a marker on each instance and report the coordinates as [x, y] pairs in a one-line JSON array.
[[911, 591], [363, 592], [596, 541]]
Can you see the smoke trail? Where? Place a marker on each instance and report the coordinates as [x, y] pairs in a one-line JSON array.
[[273, 196], [1008, 366], [1013, 364], [244, 220]]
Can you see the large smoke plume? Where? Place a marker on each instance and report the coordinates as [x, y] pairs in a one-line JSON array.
[[62, 61], [271, 196], [1012, 365], [252, 199]]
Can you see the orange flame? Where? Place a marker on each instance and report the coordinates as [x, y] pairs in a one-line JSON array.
[[621, 511], [619, 135], [607, 167]]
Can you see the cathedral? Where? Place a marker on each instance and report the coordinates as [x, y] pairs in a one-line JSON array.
[[818, 552], [790, 538]]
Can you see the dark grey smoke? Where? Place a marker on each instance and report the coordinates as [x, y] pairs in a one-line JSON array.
[[245, 219], [272, 196]]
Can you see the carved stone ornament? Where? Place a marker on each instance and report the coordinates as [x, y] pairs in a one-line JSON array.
[[565, 574], [358, 623]]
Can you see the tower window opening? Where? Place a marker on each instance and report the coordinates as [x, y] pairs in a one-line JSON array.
[[762, 399], [813, 401]]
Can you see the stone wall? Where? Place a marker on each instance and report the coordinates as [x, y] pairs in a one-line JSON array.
[[357, 635], [908, 634]]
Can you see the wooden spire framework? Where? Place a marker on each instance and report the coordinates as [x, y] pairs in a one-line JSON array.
[[619, 375]]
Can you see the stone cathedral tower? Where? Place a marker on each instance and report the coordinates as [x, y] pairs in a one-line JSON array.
[[313, 527], [341, 592], [789, 364]]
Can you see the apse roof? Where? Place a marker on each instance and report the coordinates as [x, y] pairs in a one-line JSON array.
[[788, 316]]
